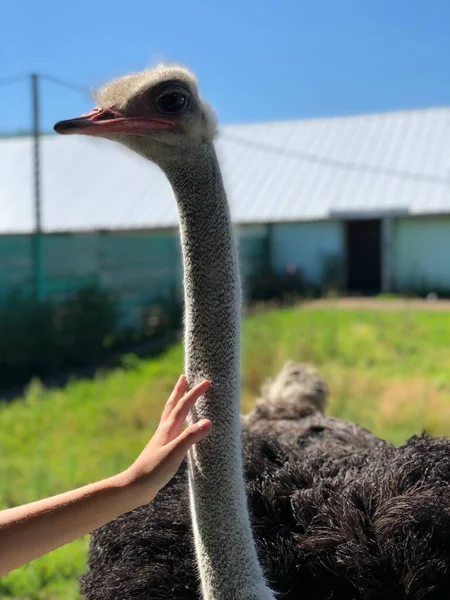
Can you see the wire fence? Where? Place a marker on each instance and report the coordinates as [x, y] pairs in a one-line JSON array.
[[59, 286], [69, 297]]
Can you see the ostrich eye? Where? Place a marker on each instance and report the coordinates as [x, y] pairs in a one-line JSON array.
[[172, 102]]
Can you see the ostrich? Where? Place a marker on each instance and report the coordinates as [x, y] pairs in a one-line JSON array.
[[336, 512], [160, 115]]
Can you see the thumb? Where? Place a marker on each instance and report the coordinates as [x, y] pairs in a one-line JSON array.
[[191, 435]]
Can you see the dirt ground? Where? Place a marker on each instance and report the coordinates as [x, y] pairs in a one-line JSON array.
[[381, 304]]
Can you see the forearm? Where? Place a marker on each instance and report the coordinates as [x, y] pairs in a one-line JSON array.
[[29, 531]]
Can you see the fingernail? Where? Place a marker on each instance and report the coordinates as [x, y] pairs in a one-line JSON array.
[[204, 425]]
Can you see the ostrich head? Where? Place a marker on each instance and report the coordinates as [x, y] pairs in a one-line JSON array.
[[158, 113]]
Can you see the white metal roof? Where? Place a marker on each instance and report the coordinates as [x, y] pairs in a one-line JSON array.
[[396, 162]]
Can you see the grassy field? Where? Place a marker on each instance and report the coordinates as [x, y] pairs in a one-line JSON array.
[[388, 370]]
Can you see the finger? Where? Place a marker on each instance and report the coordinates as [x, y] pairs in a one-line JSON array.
[[191, 435], [181, 411], [177, 393]]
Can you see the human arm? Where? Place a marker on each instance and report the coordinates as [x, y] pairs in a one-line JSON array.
[[31, 530]]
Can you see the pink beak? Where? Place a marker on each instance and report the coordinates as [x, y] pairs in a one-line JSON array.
[[100, 121]]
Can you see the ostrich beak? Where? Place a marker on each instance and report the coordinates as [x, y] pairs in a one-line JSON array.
[[101, 121]]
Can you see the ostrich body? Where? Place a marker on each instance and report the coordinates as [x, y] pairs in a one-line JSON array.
[[337, 513], [159, 114]]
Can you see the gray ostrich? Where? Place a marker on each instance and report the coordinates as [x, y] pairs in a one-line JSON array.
[[160, 115], [336, 513]]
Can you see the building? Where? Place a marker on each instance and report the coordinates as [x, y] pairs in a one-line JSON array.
[[362, 200]]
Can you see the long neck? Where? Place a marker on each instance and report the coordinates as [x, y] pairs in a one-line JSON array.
[[226, 555]]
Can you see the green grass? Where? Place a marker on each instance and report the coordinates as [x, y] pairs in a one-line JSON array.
[[389, 371]]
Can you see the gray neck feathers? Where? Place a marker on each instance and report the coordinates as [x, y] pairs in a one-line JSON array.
[[226, 555]]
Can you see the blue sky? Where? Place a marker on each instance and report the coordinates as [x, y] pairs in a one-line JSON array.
[[256, 59]]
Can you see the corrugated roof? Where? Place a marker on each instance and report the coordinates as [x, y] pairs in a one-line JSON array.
[[395, 162]]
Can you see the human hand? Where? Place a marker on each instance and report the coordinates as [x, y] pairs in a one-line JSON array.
[[31, 530], [164, 453]]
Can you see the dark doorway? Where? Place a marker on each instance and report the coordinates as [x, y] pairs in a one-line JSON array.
[[363, 241]]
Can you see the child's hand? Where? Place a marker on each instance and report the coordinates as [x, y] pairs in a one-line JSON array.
[[163, 455], [32, 530]]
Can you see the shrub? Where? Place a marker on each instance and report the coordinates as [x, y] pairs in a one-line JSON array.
[[36, 338], [332, 275], [83, 323], [287, 286]]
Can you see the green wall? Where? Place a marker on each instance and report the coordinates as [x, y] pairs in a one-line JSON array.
[[139, 267]]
